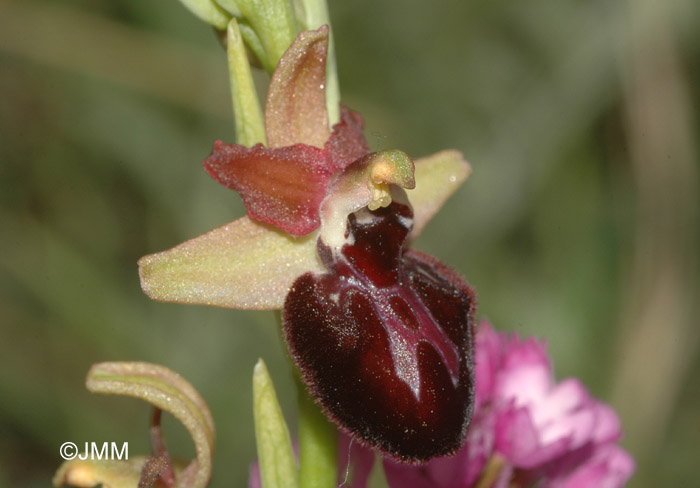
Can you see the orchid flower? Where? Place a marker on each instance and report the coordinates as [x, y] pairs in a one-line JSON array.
[[381, 334]]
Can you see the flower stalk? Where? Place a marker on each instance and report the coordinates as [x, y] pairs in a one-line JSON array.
[[318, 443], [278, 467], [491, 472]]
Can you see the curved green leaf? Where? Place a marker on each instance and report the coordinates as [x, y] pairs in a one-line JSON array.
[[170, 392]]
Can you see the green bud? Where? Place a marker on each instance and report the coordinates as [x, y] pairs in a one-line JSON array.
[[209, 11], [274, 22], [231, 6], [250, 127]]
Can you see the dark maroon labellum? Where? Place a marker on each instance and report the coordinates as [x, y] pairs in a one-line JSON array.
[[384, 340]]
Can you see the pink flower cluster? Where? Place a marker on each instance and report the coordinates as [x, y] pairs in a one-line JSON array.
[[526, 428]]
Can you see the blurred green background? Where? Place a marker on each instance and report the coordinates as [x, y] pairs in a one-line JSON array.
[[579, 224]]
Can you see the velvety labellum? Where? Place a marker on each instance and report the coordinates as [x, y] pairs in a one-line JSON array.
[[384, 339]]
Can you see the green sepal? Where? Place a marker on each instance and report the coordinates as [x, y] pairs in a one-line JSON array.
[[437, 177], [243, 264]]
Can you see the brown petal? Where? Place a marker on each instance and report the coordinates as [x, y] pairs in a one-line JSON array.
[[347, 142], [283, 186]]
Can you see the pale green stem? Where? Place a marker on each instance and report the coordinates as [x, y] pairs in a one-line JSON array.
[[248, 116], [316, 15], [209, 12], [318, 439], [491, 472], [275, 456], [275, 23], [318, 444]]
